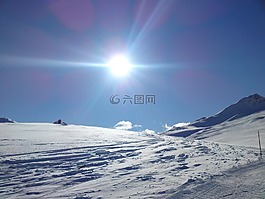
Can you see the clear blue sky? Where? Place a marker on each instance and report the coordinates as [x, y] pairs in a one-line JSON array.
[[195, 56]]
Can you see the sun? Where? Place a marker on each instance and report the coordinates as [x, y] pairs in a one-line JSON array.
[[119, 65]]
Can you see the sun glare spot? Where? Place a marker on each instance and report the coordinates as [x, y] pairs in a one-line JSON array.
[[119, 65]]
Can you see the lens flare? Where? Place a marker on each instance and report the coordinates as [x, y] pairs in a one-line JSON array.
[[119, 65]]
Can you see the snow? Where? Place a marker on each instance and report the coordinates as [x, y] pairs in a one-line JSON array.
[[243, 182], [244, 107], [237, 124], [213, 157], [240, 132], [40, 160]]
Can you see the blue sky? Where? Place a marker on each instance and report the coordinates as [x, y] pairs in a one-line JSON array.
[[196, 57]]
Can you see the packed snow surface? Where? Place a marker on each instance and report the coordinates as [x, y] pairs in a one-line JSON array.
[[54, 161], [244, 182], [240, 132], [237, 124]]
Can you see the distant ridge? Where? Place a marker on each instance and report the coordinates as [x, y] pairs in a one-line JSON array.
[[244, 107], [6, 120]]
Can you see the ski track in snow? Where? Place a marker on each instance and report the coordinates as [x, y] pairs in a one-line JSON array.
[[100, 163], [244, 182]]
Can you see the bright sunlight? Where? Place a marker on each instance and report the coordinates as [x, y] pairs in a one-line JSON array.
[[119, 65]]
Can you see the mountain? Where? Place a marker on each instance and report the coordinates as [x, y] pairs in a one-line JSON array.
[[245, 107], [6, 120]]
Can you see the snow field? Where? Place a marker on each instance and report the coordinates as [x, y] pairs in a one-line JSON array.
[[53, 161]]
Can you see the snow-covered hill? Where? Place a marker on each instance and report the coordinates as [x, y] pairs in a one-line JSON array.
[[246, 106], [237, 124], [54, 161]]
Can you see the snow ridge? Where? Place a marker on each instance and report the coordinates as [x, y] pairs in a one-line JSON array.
[[246, 106]]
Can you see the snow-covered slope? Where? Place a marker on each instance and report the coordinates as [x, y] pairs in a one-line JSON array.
[[246, 106], [54, 161], [247, 181], [241, 132], [237, 124]]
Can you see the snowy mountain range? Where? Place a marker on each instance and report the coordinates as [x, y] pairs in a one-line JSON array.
[[249, 109], [41, 160]]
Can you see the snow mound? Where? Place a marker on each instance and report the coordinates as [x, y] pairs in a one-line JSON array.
[[6, 120]]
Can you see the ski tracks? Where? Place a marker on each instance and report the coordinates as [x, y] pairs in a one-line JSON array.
[[242, 182]]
